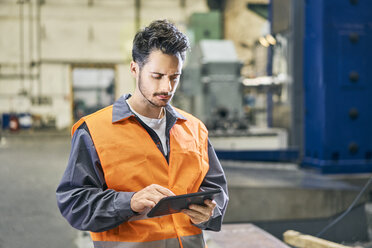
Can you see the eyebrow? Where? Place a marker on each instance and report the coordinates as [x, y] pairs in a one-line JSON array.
[[162, 74]]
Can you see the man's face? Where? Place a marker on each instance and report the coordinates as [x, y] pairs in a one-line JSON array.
[[158, 78]]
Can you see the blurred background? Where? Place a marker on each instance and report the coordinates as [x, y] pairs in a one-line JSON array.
[[282, 85]]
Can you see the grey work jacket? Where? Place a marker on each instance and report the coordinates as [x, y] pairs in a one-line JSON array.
[[83, 197]]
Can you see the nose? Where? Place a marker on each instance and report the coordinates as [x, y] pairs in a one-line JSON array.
[[167, 84]]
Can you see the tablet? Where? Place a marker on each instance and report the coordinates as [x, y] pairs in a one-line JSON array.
[[174, 204]]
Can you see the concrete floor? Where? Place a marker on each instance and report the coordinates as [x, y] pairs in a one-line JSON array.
[[30, 169], [278, 197]]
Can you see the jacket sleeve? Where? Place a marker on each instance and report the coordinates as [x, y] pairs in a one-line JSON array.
[[82, 195], [214, 179]]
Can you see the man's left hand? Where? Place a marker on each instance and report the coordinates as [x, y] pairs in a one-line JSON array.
[[198, 213]]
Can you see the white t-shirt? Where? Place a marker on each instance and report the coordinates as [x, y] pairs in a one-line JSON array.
[[158, 125]]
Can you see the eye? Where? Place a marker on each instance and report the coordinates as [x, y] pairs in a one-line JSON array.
[[156, 76], [175, 79]]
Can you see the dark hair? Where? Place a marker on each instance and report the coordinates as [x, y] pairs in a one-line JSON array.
[[161, 35]]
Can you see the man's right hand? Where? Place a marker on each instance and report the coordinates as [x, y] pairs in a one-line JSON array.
[[148, 197]]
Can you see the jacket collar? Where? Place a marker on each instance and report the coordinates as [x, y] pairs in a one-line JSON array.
[[121, 110]]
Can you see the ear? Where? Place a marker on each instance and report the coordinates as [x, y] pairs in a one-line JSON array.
[[134, 69]]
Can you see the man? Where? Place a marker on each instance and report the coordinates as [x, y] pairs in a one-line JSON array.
[[128, 156]]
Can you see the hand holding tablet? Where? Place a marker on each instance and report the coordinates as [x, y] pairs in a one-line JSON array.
[[175, 204]]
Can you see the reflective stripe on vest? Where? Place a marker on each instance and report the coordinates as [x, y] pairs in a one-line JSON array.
[[131, 161], [187, 242]]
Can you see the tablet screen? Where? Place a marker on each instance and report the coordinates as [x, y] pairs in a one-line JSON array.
[[174, 204]]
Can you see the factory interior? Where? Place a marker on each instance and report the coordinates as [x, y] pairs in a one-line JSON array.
[[283, 87]]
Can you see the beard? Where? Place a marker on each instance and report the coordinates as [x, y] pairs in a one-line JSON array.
[[143, 92]]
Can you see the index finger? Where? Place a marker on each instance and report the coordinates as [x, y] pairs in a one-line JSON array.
[[210, 203], [164, 190]]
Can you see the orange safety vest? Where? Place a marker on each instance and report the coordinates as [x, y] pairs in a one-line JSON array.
[[131, 161]]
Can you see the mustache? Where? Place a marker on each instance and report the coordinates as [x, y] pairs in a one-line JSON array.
[[163, 94]]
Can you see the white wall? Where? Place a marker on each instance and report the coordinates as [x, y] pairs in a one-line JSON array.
[[72, 32]]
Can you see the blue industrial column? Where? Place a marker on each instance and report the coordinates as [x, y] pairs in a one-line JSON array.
[[338, 85]]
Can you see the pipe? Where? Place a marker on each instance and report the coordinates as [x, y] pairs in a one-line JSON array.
[[38, 38], [137, 14], [31, 44], [18, 76], [21, 43]]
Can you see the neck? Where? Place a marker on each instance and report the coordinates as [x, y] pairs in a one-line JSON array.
[[143, 107]]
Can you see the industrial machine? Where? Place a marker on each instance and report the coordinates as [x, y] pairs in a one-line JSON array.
[[324, 46], [328, 60], [338, 87], [212, 89], [212, 82]]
